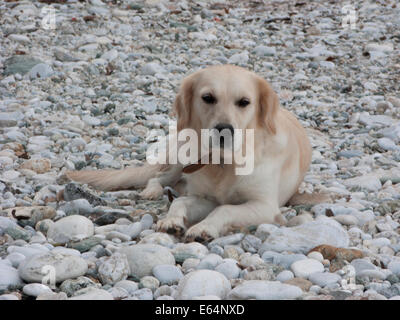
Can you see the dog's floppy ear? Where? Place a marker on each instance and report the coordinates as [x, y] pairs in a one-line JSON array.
[[268, 106], [183, 103]]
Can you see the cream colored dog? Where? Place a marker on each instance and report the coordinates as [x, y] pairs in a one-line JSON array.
[[215, 199]]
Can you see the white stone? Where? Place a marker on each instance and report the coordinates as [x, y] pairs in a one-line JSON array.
[[300, 219], [19, 38], [394, 266], [385, 47], [91, 121], [209, 262], [92, 294], [9, 277], [239, 58], [264, 290], [132, 230], [149, 282], [303, 238], [114, 269], [27, 251], [372, 274], [227, 240], [68, 251], [41, 71], [8, 297], [167, 274], [73, 227], [143, 258], [161, 238], [7, 223], [203, 283], [285, 276], [16, 258], [35, 289], [128, 285], [118, 293], [262, 51], [316, 256], [190, 264], [303, 268], [346, 219], [143, 294], [110, 55], [323, 279], [229, 268], [63, 267], [152, 68], [183, 251], [369, 182], [146, 221], [387, 144]]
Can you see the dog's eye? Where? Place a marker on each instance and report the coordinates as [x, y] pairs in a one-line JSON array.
[[244, 102], [209, 98]]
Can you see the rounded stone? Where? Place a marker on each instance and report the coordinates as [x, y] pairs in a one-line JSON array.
[[316, 256], [128, 285], [73, 227], [163, 239], [16, 258], [306, 267], [149, 282], [264, 290], [47, 265], [210, 261], [303, 238], [9, 277], [142, 258], [167, 274], [323, 279], [35, 289], [190, 264], [70, 286], [92, 294], [394, 266], [203, 283], [185, 251], [114, 269], [285, 276], [229, 268], [146, 221]]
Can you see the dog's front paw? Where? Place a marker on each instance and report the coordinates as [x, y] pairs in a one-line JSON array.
[[172, 225], [152, 192], [201, 232]]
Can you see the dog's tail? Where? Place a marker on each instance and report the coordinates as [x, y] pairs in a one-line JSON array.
[[112, 180]]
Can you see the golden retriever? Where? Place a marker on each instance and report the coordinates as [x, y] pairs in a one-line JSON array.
[[215, 199]]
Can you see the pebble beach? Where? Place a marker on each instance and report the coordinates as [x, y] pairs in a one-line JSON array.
[[88, 90]]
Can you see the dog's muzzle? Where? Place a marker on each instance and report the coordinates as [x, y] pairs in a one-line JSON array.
[[223, 135]]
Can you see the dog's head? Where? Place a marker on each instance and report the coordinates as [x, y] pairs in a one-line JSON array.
[[226, 97]]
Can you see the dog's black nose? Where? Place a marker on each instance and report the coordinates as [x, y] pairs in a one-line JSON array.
[[222, 126]]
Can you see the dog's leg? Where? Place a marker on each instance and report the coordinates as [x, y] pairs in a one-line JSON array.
[[226, 217], [169, 176], [185, 211]]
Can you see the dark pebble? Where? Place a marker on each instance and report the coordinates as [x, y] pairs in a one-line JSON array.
[[73, 191], [111, 217]]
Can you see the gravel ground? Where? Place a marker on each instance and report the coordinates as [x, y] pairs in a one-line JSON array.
[[86, 94]]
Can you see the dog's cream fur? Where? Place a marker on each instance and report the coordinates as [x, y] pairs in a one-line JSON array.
[[215, 198]]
